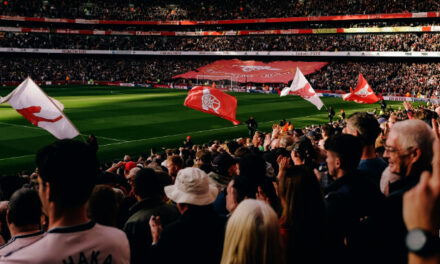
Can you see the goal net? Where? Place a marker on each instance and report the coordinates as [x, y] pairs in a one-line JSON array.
[[226, 82]]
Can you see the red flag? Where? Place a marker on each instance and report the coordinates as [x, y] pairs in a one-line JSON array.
[[212, 101], [363, 93]]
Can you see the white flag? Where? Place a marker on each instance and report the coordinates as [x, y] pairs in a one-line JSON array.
[[285, 91], [300, 86], [41, 110]]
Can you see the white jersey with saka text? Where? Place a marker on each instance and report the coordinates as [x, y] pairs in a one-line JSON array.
[[86, 243]]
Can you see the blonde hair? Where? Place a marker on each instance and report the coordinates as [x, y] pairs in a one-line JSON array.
[[253, 235]]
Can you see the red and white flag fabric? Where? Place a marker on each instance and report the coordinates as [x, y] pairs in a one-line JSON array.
[[212, 101], [250, 71], [41, 110], [363, 93], [300, 86]]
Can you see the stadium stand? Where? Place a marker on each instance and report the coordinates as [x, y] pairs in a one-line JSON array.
[[392, 78], [128, 70], [341, 42], [206, 10], [319, 202]]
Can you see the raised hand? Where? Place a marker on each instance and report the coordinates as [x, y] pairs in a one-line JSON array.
[[156, 228], [260, 195], [435, 126], [283, 164], [231, 198], [421, 203]]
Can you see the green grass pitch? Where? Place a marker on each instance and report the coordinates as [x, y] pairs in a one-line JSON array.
[[131, 120]]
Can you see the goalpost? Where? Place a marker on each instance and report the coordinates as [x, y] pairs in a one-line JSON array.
[[226, 81]]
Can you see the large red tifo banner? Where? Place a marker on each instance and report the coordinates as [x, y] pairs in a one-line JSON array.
[[252, 71]]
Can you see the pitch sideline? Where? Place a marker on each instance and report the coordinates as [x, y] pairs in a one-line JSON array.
[[144, 139]]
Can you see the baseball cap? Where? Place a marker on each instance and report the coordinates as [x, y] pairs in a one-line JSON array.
[[130, 165]]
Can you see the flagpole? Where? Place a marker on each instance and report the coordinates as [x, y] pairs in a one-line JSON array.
[[56, 106]]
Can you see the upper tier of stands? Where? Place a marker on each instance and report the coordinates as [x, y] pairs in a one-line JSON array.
[[188, 12]]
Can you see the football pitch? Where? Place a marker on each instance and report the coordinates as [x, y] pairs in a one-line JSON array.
[[131, 120]]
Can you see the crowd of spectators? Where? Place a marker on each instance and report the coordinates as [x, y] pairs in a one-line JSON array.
[[206, 10], [320, 42], [130, 70], [392, 78], [226, 27], [341, 192]]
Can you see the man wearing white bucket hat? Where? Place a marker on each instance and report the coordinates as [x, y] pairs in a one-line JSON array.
[[197, 237]]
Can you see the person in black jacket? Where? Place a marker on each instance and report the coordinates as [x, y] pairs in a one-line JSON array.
[[252, 126], [351, 198], [148, 189], [331, 114], [383, 105], [409, 151], [197, 237]]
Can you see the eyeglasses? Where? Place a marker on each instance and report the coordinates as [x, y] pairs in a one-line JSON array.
[[395, 150]]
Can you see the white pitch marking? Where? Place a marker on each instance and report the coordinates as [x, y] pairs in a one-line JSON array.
[[190, 132], [34, 127]]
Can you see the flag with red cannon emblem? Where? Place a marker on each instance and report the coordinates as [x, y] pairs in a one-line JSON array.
[[212, 101]]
